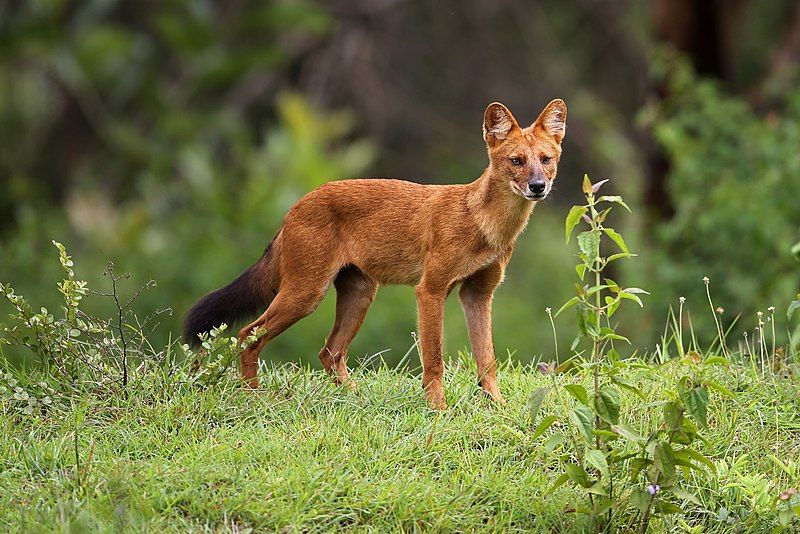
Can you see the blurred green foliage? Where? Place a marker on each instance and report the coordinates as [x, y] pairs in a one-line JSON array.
[[170, 137], [735, 190]]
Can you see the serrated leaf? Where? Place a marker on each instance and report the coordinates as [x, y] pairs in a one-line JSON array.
[[597, 459], [606, 403], [628, 433], [617, 238], [583, 418], [589, 244], [696, 402], [719, 388], [535, 400], [673, 416], [640, 499], [573, 218], [578, 475], [664, 461], [579, 392]]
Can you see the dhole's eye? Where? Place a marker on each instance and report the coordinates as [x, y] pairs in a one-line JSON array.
[[516, 161], [546, 160]]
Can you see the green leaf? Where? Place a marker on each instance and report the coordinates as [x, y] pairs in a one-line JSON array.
[[664, 461], [612, 303], [614, 198], [579, 392], [635, 290], [628, 433], [552, 442], [696, 402], [594, 289], [625, 295], [578, 475], [616, 238], [640, 499], [697, 456], [618, 256], [583, 418], [570, 303], [625, 384], [581, 270], [589, 244], [719, 388], [792, 308], [573, 218], [673, 416], [795, 250], [543, 425], [606, 403], [559, 482], [535, 400], [666, 508], [685, 495], [716, 360], [597, 459], [607, 333]]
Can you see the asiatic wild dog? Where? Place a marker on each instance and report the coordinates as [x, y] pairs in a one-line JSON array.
[[360, 234]]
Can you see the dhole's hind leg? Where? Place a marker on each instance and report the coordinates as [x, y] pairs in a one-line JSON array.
[[290, 305], [355, 291]]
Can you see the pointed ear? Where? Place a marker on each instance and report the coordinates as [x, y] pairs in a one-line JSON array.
[[553, 119], [497, 123]]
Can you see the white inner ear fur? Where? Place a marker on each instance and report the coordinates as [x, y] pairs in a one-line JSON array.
[[554, 122], [500, 124]]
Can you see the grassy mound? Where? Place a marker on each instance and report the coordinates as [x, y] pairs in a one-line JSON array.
[[301, 454]]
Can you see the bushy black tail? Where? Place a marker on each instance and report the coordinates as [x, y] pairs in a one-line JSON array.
[[251, 293]]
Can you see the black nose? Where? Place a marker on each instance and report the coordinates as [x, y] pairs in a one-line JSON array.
[[537, 186]]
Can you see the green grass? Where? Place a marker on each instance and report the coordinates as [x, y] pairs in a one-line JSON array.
[[304, 455]]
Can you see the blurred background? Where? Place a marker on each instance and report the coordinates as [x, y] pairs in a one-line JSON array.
[[170, 137]]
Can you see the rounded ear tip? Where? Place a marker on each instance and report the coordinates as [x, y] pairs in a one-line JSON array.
[[494, 105], [557, 102]]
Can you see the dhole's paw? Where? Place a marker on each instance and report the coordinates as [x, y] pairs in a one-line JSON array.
[[347, 383], [436, 399], [250, 383], [493, 392]]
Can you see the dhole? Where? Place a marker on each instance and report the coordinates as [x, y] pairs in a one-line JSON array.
[[359, 234]]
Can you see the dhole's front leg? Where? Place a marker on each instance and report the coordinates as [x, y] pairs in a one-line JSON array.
[[476, 298], [430, 301]]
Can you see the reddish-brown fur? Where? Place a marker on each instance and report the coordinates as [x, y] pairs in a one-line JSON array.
[[359, 234]]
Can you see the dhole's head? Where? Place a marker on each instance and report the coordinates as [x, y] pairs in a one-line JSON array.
[[525, 158]]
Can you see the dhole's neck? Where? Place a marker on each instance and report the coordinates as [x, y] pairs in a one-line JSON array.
[[499, 212]]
